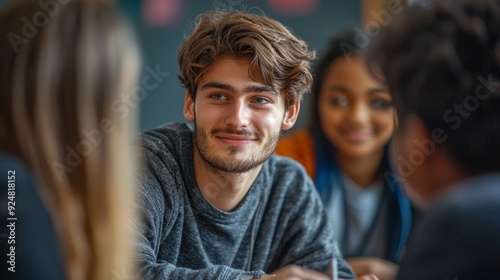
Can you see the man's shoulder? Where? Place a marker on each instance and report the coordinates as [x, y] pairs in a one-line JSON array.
[[165, 157], [171, 141], [282, 165], [481, 193], [470, 208], [165, 135], [287, 175], [457, 235], [165, 154]]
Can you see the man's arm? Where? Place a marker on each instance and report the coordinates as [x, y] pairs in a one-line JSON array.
[[152, 268]]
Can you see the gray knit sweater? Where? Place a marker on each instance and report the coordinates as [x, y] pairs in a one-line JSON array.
[[280, 221]]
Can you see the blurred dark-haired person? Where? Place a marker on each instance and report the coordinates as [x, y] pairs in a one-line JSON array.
[[64, 154], [217, 203], [442, 66], [345, 149]]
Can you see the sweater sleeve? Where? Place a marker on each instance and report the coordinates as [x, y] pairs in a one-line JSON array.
[[160, 208]]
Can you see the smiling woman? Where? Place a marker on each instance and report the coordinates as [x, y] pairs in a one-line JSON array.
[[356, 112], [345, 150]]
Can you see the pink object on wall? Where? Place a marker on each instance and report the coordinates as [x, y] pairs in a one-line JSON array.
[[294, 7], [162, 12]]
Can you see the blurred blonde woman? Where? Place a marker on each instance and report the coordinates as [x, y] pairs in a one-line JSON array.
[[65, 67]]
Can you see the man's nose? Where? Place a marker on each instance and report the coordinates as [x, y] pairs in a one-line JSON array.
[[238, 114]]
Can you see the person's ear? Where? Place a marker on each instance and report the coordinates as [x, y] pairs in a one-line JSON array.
[[421, 131], [188, 107], [396, 121], [291, 114], [414, 142]]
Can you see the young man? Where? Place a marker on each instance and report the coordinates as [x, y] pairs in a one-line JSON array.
[[442, 65], [217, 204]]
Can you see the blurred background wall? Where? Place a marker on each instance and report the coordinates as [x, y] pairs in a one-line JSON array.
[[161, 26]]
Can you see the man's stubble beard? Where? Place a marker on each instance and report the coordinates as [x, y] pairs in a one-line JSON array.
[[228, 164]]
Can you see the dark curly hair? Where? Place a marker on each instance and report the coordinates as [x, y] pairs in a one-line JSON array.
[[282, 59], [442, 64]]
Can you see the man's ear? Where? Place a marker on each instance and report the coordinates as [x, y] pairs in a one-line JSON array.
[[291, 114], [188, 107]]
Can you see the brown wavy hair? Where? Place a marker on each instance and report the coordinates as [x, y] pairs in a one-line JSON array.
[[58, 80], [277, 55]]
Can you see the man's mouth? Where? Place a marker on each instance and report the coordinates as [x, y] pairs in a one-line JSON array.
[[235, 139]]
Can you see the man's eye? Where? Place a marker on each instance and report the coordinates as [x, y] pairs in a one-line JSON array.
[[218, 96], [340, 101], [381, 104], [260, 100]]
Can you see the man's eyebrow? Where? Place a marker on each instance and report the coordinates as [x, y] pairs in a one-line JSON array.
[[217, 85], [248, 89], [260, 88]]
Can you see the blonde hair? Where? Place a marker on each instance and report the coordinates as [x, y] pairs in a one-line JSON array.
[[60, 75], [282, 59]]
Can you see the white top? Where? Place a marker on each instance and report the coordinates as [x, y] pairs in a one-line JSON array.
[[362, 204]]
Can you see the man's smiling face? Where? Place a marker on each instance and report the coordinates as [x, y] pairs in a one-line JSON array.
[[238, 119]]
